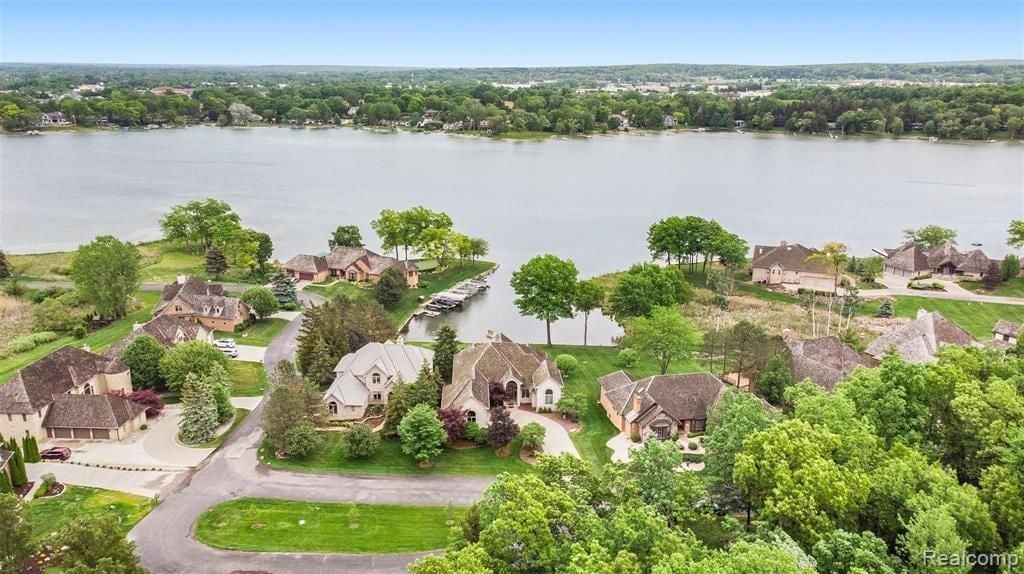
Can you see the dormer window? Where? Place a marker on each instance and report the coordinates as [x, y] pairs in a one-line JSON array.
[[87, 389], [376, 378], [206, 309], [332, 407]]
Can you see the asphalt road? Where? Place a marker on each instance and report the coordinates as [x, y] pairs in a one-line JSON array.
[[164, 538]]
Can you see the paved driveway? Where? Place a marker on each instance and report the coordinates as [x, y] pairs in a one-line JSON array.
[[250, 353], [556, 439], [143, 483]]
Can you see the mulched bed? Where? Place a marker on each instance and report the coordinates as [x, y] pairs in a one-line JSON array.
[[529, 456], [462, 444], [56, 489], [38, 562], [23, 490]]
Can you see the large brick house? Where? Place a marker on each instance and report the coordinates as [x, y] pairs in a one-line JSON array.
[[369, 376], [205, 303], [661, 405], [64, 395], [167, 330], [909, 260], [526, 375], [348, 264]]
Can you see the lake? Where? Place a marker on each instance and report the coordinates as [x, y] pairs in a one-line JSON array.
[[589, 200]]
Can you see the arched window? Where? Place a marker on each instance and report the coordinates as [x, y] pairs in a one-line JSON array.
[[88, 389], [549, 397], [332, 407], [471, 416], [376, 378]]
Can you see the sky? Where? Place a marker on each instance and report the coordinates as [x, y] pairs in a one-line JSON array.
[[499, 34]]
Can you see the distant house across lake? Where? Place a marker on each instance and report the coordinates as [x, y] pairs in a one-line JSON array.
[[787, 264]]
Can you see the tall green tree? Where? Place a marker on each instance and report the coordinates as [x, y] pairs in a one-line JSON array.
[[5, 266], [773, 381], [545, 287], [260, 301], [292, 401], [215, 263], [733, 418], [588, 297], [15, 530], [1016, 234], [666, 336], [391, 287], [196, 223], [645, 286], [197, 357], [930, 236], [142, 356], [199, 416], [283, 287], [422, 434], [446, 345], [96, 544], [346, 236], [106, 274]]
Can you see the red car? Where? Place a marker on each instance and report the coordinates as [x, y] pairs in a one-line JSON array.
[[56, 453]]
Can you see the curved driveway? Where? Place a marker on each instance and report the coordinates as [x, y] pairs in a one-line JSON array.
[[164, 538]]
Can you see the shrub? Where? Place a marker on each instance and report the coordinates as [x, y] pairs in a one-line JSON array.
[[149, 399], [502, 430], [533, 435], [359, 441], [634, 436], [46, 482], [571, 405], [692, 457], [301, 440], [78, 331], [47, 293], [886, 310], [1010, 266], [693, 446], [44, 337], [391, 287], [475, 433], [627, 358], [22, 344], [567, 365], [454, 421]]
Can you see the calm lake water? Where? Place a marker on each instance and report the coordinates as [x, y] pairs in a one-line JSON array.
[[589, 200]]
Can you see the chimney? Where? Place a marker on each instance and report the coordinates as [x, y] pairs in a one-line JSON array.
[[182, 279], [921, 313], [136, 326], [637, 400]]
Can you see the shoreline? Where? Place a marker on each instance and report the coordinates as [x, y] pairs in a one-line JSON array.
[[524, 136]]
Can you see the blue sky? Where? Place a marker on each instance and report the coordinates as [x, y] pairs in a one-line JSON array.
[[476, 34]]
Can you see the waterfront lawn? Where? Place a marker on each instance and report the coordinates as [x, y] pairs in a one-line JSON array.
[[48, 515], [434, 283], [266, 525], [98, 340], [259, 334], [1013, 287], [248, 378], [595, 362], [389, 459], [240, 415]]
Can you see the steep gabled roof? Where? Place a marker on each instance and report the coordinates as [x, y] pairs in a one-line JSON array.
[[920, 339], [36, 385], [825, 361], [475, 367], [91, 411], [204, 298], [165, 329], [908, 257], [791, 257], [306, 264], [401, 361], [1004, 327]]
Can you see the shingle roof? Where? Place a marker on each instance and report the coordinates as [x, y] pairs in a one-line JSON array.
[[825, 361], [401, 361], [5, 455], [342, 257], [55, 374], [618, 387], [1004, 327], [91, 411], [475, 367], [165, 329], [683, 397], [918, 340], [908, 257], [792, 257], [306, 264], [204, 298]]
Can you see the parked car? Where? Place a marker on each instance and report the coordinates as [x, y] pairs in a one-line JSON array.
[[230, 351], [56, 453], [224, 343]]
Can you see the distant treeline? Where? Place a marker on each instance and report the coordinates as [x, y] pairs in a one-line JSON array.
[[57, 76], [972, 112]]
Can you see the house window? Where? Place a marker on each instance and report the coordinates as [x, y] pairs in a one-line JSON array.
[[376, 395], [549, 397], [88, 390], [351, 275], [177, 308], [332, 407], [471, 416], [697, 425], [376, 378], [661, 431], [525, 393]]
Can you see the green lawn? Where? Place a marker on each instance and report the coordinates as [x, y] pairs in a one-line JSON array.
[[248, 378], [435, 283], [977, 318], [697, 278], [264, 525], [240, 415], [479, 461], [1013, 287], [98, 340], [47, 515], [259, 334], [595, 362]]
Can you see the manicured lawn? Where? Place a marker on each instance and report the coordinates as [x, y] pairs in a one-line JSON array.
[[98, 340], [259, 334], [1014, 287], [48, 515], [248, 378], [977, 318], [265, 525], [595, 362], [434, 283], [389, 459], [240, 415]]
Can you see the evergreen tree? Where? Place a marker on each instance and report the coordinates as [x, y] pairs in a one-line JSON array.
[[30, 449], [16, 543], [993, 276], [391, 287], [19, 475], [283, 287], [445, 346], [502, 430], [1010, 266], [886, 311], [220, 383], [321, 363], [5, 267], [5, 483], [198, 410], [216, 263]]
